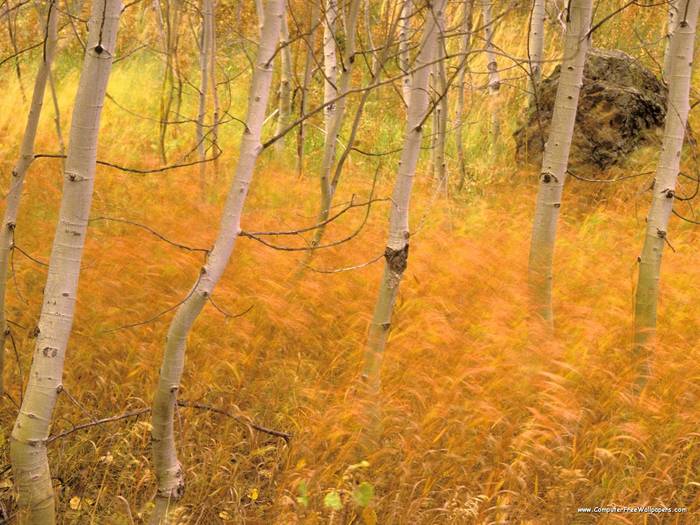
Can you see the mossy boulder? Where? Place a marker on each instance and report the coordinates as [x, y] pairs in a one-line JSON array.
[[622, 106]]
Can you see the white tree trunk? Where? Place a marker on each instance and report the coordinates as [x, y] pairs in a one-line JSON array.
[[494, 85], [167, 467], [28, 441], [404, 47], [335, 124], [204, 68], [305, 88], [556, 157], [673, 16], [678, 105], [26, 156], [464, 46], [536, 46], [441, 110], [285, 91], [330, 62], [396, 252]]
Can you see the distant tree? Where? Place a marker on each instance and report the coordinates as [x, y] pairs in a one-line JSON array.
[[556, 156], [672, 24], [464, 46], [30, 466], [494, 82]]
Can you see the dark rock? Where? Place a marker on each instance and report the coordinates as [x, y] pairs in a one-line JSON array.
[[621, 106]]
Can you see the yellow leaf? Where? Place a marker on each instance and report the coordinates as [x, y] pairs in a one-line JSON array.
[[253, 494], [224, 515], [369, 516], [75, 503]]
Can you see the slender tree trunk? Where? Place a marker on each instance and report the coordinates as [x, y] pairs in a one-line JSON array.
[[404, 47], [335, 124], [214, 87], [464, 47], [285, 91], [28, 441], [396, 251], [536, 46], [304, 97], [330, 62], [494, 85], [168, 470], [204, 68], [678, 106], [556, 157], [441, 111], [673, 16], [26, 157]]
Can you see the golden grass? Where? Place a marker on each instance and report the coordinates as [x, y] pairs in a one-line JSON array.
[[485, 419]]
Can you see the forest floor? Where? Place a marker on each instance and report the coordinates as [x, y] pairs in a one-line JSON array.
[[485, 420]]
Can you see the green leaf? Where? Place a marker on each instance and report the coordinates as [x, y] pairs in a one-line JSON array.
[[363, 494], [332, 500], [303, 497]]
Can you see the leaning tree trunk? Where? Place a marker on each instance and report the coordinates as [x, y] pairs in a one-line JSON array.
[[168, 470], [330, 63], [285, 91], [328, 184], [536, 47], [678, 106], [441, 114], [556, 157], [26, 156], [396, 251], [673, 16], [494, 85], [204, 69], [464, 47], [28, 441]]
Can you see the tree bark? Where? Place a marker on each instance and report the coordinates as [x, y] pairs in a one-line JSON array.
[[556, 157], [396, 251], [285, 91], [494, 85], [404, 48], [678, 106], [28, 440], [304, 97], [536, 46], [673, 16], [168, 470], [204, 68], [464, 47], [330, 62], [26, 156]]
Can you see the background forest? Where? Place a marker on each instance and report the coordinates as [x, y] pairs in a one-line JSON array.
[[482, 410]]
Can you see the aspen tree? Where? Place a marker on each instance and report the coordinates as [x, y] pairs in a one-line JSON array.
[[26, 156], [285, 91], [536, 46], [205, 42], [330, 62], [440, 113], [556, 156], [673, 16], [28, 455], [397, 247], [404, 47], [464, 47], [335, 123], [303, 102], [168, 470], [664, 187], [494, 83]]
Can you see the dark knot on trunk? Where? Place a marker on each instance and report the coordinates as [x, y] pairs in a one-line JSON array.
[[397, 260]]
